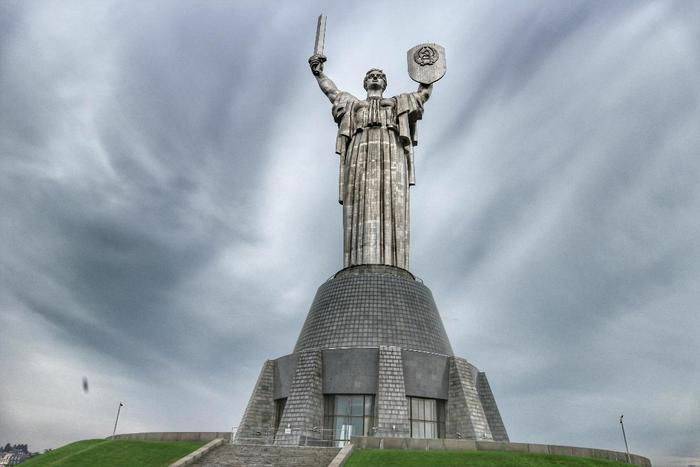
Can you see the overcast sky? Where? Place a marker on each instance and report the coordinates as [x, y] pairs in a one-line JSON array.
[[169, 206]]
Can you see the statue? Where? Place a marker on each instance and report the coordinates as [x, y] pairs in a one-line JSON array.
[[375, 143]]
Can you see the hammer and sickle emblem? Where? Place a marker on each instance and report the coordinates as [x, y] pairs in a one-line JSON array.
[[426, 55]]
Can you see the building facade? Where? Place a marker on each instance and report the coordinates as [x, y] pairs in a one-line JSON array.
[[372, 359]]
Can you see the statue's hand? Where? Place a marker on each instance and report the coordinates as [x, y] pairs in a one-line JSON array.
[[316, 64]]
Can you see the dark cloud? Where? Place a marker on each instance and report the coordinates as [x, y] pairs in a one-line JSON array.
[[169, 187]]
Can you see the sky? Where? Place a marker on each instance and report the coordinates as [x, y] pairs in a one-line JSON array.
[[168, 196]]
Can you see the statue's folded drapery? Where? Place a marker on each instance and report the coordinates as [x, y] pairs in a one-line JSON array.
[[375, 144]]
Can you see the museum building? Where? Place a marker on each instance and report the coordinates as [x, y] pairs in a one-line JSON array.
[[372, 359]]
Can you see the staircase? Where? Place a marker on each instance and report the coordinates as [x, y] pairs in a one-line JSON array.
[[252, 455]]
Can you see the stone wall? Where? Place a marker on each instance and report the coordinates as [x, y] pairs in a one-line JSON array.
[[303, 413], [488, 402], [465, 414], [259, 416], [391, 402]]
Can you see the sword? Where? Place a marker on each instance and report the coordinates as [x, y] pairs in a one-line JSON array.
[[320, 35], [319, 44]]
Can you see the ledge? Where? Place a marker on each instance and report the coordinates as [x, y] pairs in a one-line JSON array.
[[374, 269]]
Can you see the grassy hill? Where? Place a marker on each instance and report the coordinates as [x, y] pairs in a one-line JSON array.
[[115, 453], [390, 458], [120, 453]]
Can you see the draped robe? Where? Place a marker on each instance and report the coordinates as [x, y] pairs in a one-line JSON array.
[[375, 144]]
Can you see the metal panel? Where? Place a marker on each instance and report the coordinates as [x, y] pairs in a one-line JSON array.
[[425, 374], [350, 371]]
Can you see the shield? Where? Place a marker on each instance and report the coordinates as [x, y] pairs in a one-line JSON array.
[[426, 63]]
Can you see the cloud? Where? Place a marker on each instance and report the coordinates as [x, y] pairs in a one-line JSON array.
[[169, 207]]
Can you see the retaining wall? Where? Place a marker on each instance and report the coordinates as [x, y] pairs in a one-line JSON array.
[[361, 442], [176, 436]]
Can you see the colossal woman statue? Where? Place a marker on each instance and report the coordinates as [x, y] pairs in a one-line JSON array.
[[375, 143]]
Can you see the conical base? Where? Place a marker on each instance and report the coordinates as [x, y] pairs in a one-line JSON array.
[[374, 305], [373, 334]]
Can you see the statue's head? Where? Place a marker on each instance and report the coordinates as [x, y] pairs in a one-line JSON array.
[[375, 79]]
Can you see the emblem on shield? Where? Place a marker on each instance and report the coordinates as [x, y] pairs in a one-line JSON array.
[[426, 55], [426, 63]]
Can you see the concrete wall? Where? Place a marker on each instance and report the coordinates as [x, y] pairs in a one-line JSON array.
[[360, 442], [176, 436]]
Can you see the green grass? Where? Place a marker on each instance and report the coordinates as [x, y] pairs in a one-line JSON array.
[[390, 457], [117, 453]]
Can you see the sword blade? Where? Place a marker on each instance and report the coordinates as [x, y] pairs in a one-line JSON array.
[[320, 35]]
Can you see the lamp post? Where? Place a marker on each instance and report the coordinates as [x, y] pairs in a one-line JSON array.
[[121, 404], [627, 449]]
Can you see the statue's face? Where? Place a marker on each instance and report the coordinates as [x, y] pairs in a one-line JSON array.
[[376, 80]]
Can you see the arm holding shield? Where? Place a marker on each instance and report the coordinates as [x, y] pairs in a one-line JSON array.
[[426, 65], [424, 91]]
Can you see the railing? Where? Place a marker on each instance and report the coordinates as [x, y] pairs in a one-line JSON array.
[[318, 437]]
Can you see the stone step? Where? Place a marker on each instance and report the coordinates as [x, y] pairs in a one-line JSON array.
[[242, 455]]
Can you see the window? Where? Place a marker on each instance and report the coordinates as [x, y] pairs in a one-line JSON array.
[[427, 417], [346, 416]]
